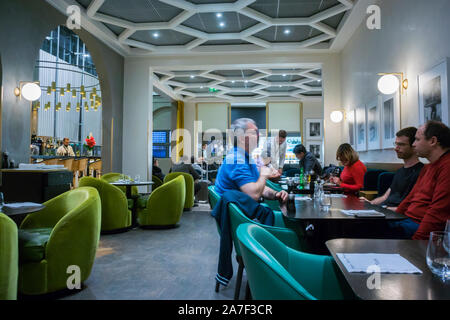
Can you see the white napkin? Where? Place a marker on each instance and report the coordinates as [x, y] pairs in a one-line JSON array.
[[363, 213], [300, 198], [387, 263]]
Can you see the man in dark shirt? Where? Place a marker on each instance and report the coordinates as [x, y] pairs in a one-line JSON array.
[[186, 167], [307, 160], [156, 170], [406, 177]]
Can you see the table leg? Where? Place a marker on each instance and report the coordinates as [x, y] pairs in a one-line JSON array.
[[133, 209]]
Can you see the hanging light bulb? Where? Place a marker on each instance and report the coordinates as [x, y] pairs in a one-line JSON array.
[[86, 107], [74, 93], [53, 86], [82, 91], [78, 107], [92, 105], [68, 107], [49, 91], [62, 92], [68, 88], [94, 91], [58, 106], [37, 105], [91, 97]]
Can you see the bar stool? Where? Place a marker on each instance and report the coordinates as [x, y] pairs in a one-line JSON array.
[[95, 167], [79, 166]]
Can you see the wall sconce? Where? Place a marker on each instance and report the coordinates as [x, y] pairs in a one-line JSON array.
[[31, 91], [389, 83], [337, 116]]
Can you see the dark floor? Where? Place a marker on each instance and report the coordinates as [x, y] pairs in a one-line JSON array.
[[171, 264]]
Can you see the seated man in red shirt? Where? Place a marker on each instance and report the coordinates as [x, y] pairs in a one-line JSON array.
[[428, 204]]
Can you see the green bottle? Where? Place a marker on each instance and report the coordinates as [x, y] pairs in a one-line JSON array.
[[300, 186]]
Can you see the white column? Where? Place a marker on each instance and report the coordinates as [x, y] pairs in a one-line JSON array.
[[137, 119]]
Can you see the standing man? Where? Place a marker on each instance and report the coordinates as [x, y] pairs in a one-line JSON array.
[[427, 206], [65, 150], [406, 177], [307, 160], [275, 149]]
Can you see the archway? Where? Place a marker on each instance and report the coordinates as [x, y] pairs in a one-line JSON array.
[[71, 95]]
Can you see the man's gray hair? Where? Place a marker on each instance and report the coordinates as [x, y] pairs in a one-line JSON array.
[[242, 123]]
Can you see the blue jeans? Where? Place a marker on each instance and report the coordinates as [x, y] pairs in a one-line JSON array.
[[403, 229]]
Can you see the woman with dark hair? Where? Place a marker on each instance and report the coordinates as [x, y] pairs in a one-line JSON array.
[[352, 177]]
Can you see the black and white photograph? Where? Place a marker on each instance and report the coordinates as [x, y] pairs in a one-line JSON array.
[[315, 147], [373, 125], [361, 129], [433, 94], [390, 119], [314, 129], [350, 115]]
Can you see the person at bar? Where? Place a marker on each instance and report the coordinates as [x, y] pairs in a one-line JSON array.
[[156, 170], [240, 172], [405, 178], [65, 150], [186, 167], [352, 177], [428, 204], [307, 160]]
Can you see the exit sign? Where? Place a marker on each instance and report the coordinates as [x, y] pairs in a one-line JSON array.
[[213, 90]]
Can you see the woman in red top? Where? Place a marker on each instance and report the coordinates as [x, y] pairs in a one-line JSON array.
[[352, 177]]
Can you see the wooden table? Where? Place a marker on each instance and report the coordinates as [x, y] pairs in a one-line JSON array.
[[425, 286], [317, 226], [128, 186]]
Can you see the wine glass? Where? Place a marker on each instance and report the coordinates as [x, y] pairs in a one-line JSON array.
[[438, 255], [137, 178]]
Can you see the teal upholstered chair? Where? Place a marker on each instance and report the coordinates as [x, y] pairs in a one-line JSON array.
[[273, 186], [65, 233], [113, 176], [164, 205], [9, 258], [278, 272], [115, 207], [189, 180]]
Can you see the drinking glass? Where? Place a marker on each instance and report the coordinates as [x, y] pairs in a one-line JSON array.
[[438, 254], [137, 178], [325, 201]]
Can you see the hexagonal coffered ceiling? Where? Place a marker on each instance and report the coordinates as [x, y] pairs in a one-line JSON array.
[[179, 26]]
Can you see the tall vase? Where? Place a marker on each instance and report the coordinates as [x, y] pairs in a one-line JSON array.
[[89, 152]]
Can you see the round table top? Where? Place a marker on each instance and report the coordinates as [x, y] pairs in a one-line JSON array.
[[132, 183], [22, 210]]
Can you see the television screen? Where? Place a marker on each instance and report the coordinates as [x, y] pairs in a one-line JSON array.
[[160, 137]]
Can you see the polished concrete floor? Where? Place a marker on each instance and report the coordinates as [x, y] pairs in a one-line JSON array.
[[170, 264]]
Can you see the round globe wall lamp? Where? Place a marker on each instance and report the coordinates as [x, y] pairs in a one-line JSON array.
[[337, 116], [389, 82], [31, 91]]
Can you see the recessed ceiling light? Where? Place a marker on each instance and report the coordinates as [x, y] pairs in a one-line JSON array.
[[219, 15], [280, 85], [284, 75], [232, 81], [246, 81], [287, 31], [192, 76], [201, 87], [155, 35], [319, 80], [222, 24]]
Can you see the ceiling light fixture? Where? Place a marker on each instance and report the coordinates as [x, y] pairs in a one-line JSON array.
[[31, 91], [284, 75], [155, 35], [389, 82], [219, 15], [192, 76], [336, 116], [222, 24], [287, 31]]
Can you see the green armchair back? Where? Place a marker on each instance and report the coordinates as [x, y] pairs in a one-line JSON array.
[[115, 213], [164, 205], [75, 219], [189, 180], [277, 272], [113, 176], [9, 258]]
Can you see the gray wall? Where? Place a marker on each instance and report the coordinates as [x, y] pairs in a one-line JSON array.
[[23, 27]]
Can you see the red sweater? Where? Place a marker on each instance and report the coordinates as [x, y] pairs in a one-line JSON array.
[[428, 203], [352, 177]]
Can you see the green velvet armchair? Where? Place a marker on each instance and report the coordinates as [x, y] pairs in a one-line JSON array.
[[115, 212], [157, 182], [278, 272], [113, 176], [189, 202], [9, 258], [164, 205], [65, 233]]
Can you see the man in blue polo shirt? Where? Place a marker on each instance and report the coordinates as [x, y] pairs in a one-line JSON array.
[[239, 171]]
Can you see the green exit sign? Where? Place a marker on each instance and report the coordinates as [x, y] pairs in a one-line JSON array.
[[213, 90]]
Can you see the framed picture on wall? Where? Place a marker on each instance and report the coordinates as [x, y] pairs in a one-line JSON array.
[[361, 129], [390, 119], [433, 94], [314, 129], [316, 148], [351, 128], [373, 124]]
